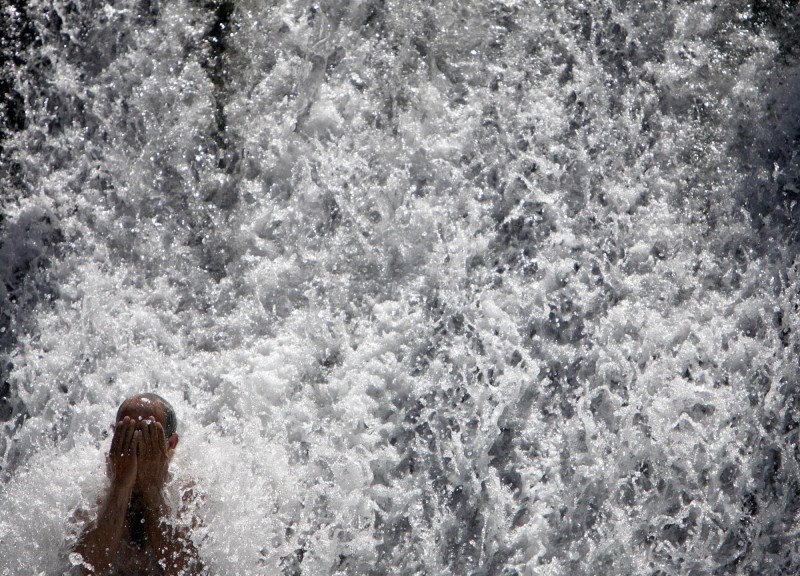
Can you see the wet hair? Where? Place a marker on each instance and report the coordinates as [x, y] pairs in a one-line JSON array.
[[171, 419]]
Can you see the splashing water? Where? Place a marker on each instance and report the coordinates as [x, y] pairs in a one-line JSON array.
[[495, 287]]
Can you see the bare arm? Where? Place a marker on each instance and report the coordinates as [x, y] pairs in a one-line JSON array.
[[98, 545], [173, 547]]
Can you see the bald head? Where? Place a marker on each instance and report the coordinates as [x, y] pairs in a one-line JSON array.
[[143, 406]]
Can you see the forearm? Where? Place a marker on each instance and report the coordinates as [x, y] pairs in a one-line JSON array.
[[99, 544], [174, 549]]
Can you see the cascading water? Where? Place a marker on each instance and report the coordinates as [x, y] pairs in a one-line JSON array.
[[498, 287]]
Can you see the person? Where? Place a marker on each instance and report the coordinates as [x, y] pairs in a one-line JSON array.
[[135, 532]]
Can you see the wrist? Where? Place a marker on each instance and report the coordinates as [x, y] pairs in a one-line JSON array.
[[121, 490], [152, 494]]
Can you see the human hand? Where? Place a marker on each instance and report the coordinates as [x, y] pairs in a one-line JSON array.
[[153, 459], [122, 454]]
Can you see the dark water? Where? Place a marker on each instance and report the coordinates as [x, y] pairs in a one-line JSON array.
[[500, 287]]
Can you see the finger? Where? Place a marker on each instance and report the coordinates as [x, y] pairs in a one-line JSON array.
[[116, 439], [154, 438], [160, 438], [147, 431], [137, 443], [132, 447], [130, 428]]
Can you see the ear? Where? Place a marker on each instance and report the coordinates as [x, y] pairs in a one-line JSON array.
[[173, 441]]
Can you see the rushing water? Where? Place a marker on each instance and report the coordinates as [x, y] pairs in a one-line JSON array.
[[497, 287]]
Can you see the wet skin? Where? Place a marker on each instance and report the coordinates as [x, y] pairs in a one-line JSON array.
[[140, 452], [130, 534]]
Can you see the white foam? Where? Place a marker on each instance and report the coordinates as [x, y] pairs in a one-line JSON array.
[[480, 293]]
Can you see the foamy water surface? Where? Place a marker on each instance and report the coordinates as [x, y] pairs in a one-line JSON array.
[[502, 287]]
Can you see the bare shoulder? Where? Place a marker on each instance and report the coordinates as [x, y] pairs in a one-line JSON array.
[[83, 514], [190, 491], [191, 494], [191, 497]]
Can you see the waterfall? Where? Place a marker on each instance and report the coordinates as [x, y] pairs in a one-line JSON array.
[[498, 287]]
